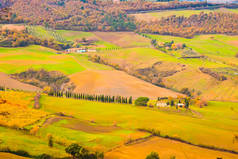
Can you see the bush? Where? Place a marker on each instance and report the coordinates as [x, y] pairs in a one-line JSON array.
[[142, 101], [153, 155], [236, 55], [79, 152], [50, 140], [44, 156], [186, 92], [22, 153]]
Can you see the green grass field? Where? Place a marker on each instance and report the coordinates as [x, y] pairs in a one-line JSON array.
[[17, 140], [202, 127], [19, 59], [146, 56], [218, 119], [222, 48]]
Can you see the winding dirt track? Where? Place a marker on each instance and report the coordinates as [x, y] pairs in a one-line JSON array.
[[116, 83], [8, 82]]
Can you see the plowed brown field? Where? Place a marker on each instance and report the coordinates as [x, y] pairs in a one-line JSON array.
[[116, 83]]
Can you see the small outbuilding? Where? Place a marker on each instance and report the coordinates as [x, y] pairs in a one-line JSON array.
[[181, 105], [161, 104]]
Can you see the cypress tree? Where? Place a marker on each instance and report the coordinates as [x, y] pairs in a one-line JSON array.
[[130, 100]]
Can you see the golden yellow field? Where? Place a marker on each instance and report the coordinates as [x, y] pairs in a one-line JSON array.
[[15, 111], [166, 149], [4, 155]]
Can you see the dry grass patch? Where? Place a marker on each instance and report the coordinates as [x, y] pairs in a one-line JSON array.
[[13, 27], [4, 155], [124, 39], [15, 111], [89, 127]]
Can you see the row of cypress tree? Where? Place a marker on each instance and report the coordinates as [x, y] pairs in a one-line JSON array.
[[90, 97]]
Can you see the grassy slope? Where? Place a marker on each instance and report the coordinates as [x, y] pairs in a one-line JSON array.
[[19, 59], [220, 47], [146, 56], [221, 50], [216, 120], [158, 15], [166, 149], [17, 140], [10, 156]]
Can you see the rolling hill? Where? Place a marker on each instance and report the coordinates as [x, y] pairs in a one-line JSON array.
[[117, 83]]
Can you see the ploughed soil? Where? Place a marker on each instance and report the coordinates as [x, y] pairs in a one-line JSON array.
[[8, 82], [117, 83], [166, 148], [124, 39], [90, 127], [13, 27], [4, 155]]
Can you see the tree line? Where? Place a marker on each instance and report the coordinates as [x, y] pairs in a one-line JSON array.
[[203, 23], [13, 38], [90, 97], [85, 15]]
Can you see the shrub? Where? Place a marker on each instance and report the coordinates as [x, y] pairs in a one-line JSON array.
[[45, 156], [186, 92], [236, 55], [153, 155], [142, 101], [22, 153], [50, 140], [78, 152]]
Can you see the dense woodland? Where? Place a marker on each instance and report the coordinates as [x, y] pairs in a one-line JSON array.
[[94, 15], [212, 23], [10, 38], [52, 80]]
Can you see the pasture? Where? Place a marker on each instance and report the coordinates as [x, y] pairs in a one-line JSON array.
[[222, 48], [157, 15], [88, 124], [15, 60]]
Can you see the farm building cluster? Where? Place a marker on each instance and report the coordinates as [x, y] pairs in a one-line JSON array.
[[173, 102], [79, 50]]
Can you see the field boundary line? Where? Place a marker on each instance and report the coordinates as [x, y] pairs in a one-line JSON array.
[[189, 143]]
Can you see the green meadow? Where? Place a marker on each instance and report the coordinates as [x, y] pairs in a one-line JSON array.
[[14, 60], [17, 140], [148, 56], [203, 127], [219, 47], [199, 126]]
